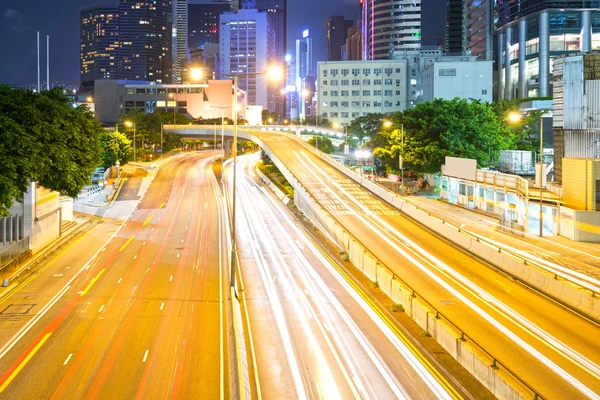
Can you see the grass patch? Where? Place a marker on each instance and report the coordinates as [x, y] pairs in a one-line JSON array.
[[344, 256], [398, 308], [374, 284], [425, 334]]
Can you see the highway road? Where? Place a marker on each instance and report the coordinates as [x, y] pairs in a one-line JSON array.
[[552, 349], [313, 335], [144, 318]]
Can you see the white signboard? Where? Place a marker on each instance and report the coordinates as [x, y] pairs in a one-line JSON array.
[[462, 168]]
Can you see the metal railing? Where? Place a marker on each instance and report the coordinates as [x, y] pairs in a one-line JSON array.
[[14, 250]]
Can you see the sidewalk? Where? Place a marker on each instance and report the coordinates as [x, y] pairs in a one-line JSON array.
[[577, 256]]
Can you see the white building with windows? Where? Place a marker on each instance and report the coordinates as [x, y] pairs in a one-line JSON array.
[[464, 79], [352, 89]]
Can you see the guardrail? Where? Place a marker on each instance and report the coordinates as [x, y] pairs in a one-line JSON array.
[[14, 250]]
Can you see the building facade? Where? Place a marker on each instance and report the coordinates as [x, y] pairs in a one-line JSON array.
[[179, 43], [336, 32], [388, 25], [530, 33], [304, 81], [100, 44], [203, 21], [478, 29], [352, 50], [145, 32], [247, 46], [115, 97], [352, 89], [446, 80], [455, 28], [417, 61]]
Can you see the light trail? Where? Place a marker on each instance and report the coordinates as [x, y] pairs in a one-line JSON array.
[[458, 278]]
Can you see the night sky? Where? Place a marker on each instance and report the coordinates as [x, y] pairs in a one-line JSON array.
[[19, 21]]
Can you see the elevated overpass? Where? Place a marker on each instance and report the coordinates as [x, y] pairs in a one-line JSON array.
[[510, 337]]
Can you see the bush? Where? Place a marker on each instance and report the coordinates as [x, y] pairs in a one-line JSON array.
[[398, 308]]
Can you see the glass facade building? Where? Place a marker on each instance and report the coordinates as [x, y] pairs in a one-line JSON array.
[[530, 33]]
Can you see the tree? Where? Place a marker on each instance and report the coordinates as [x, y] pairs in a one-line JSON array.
[[365, 128], [324, 144], [43, 138], [115, 147], [433, 130]]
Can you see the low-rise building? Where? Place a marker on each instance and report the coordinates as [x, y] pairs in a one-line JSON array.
[[352, 89], [206, 100], [465, 79]]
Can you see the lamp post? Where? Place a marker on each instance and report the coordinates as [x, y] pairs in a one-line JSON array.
[[515, 117], [275, 73], [129, 124]]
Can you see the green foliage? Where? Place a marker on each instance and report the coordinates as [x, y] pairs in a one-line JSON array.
[[115, 146], [457, 128], [324, 144], [266, 114], [365, 128], [44, 139], [147, 126]]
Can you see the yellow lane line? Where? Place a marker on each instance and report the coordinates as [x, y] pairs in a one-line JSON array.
[[57, 257], [92, 282], [162, 205], [24, 362], [126, 243], [422, 359], [148, 220]]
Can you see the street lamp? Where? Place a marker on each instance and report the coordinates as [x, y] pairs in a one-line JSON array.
[[129, 124], [208, 106], [274, 73], [270, 120], [196, 74], [515, 117], [89, 99]]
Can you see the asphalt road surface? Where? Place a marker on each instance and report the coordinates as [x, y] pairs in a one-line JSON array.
[[143, 319], [314, 336]]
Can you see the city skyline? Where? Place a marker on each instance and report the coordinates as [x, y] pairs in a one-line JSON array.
[[19, 24]]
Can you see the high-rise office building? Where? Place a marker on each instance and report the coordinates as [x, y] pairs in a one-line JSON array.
[[179, 43], [389, 25], [478, 29], [145, 32], [351, 51], [305, 76], [203, 21], [277, 10], [530, 33], [99, 45], [246, 46], [455, 29], [336, 31]]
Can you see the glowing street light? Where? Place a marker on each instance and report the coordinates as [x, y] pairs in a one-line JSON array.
[[196, 74], [130, 124], [89, 99], [514, 117], [387, 124], [270, 120]]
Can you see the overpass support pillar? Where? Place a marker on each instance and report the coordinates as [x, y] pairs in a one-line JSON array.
[[228, 147]]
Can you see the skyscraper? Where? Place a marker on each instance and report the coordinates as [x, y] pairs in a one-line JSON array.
[[144, 28], [455, 28], [203, 21], [277, 10], [246, 46], [304, 73], [179, 34], [336, 30], [99, 44], [389, 25], [531, 33], [479, 29]]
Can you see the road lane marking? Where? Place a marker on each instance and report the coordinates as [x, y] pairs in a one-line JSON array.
[[178, 255], [162, 205], [143, 243], [68, 358], [134, 257], [101, 308], [171, 278], [92, 282], [126, 243], [145, 356], [24, 362], [147, 220], [147, 271], [162, 306], [120, 279]]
